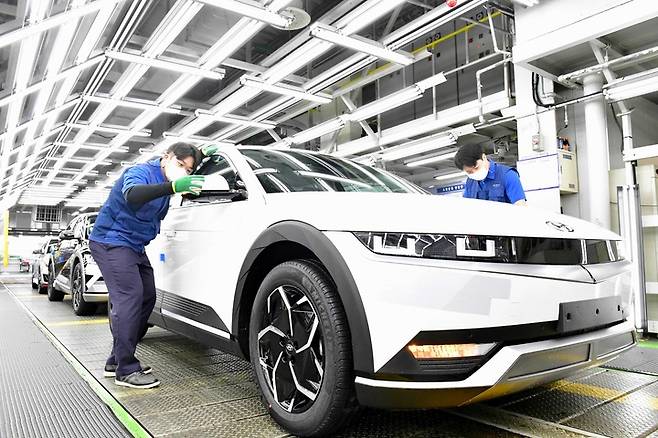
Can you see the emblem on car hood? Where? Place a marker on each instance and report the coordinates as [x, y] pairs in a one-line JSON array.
[[560, 226]]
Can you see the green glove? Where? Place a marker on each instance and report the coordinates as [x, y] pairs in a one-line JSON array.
[[209, 150], [188, 184]]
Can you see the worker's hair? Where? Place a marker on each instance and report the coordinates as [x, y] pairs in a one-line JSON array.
[[184, 150], [468, 155]]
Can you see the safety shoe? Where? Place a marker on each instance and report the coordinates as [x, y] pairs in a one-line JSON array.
[[111, 370], [137, 380]]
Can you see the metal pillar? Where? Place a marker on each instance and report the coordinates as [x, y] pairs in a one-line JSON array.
[[597, 201], [5, 234], [630, 226]]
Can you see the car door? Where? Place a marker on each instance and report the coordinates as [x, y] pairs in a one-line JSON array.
[[48, 247], [63, 254], [64, 250], [203, 241]]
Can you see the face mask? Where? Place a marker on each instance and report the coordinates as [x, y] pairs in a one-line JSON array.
[[173, 171], [479, 174]]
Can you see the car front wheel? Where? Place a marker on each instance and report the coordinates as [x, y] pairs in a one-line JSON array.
[[53, 294], [300, 350], [80, 306], [35, 278]]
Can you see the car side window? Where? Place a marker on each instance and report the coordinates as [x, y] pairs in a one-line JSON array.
[[220, 165]]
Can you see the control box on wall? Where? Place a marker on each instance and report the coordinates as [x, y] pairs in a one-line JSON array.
[[568, 172]]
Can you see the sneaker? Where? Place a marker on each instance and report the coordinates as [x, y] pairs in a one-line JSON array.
[[111, 370], [137, 380]]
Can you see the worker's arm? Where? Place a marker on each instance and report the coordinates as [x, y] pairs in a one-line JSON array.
[[139, 194], [514, 188], [137, 191]]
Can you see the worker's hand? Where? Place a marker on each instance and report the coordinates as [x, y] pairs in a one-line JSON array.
[[188, 184], [209, 150]]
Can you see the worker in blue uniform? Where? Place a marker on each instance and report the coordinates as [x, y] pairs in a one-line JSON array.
[[488, 180], [128, 220]]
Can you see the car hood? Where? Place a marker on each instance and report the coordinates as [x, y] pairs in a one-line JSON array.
[[401, 212]]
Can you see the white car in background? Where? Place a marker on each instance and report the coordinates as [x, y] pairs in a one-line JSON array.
[[345, 285], [41, 263]]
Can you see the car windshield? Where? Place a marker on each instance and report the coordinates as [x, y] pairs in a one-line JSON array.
[[301, 171]]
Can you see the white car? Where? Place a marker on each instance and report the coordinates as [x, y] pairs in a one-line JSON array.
[[345, 285], [41, 263]]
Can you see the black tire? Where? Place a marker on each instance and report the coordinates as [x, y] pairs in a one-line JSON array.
[[321, 407], [53, 294], [78, 285], [42, 289]]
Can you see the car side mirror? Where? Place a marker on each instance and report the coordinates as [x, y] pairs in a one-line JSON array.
[[37, 251], [66, 235]]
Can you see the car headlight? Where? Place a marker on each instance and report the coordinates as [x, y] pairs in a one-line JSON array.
[[440, 246], [505, 249]]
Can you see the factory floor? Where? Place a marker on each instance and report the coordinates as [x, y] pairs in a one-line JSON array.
[[51, 385]]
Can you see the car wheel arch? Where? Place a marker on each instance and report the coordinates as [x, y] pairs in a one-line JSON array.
[[301, 241]]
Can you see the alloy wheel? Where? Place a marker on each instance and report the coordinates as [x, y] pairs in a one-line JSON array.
[[77, 287], [291, 350]]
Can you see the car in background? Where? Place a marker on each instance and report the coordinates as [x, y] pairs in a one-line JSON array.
[[73, 271], [24, 264], [344, 283], [40, 264]]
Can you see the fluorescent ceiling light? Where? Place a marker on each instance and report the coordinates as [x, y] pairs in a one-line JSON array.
[[285, 90], [94, 147], [195, 139], [236, 120], [432, 81], [77, 160], [632, 86], [360, 44], [421, 146], [430, 160], [73, 71], [175, 66], [396, 99], [384, 104], [135, 104], [368, 12], [253, 10], [450, 176], [316, 131], [111, 129], [52, 22], [527, 3]]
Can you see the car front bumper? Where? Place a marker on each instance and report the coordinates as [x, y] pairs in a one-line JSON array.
[[96, 289], [513, 368]]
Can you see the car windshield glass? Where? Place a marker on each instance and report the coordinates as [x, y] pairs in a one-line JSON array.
[[301, 171]]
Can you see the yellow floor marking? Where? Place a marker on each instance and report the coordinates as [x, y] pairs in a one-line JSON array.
[[646, 401], [77, 322]]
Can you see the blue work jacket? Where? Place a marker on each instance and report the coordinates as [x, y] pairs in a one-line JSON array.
[[502, 184], [121, 225]]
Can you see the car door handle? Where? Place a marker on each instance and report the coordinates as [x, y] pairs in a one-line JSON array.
[[170, 234]]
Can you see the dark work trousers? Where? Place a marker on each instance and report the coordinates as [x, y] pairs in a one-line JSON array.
[[129, 279]]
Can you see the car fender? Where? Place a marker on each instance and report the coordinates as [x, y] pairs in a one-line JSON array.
[[314, 240]]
